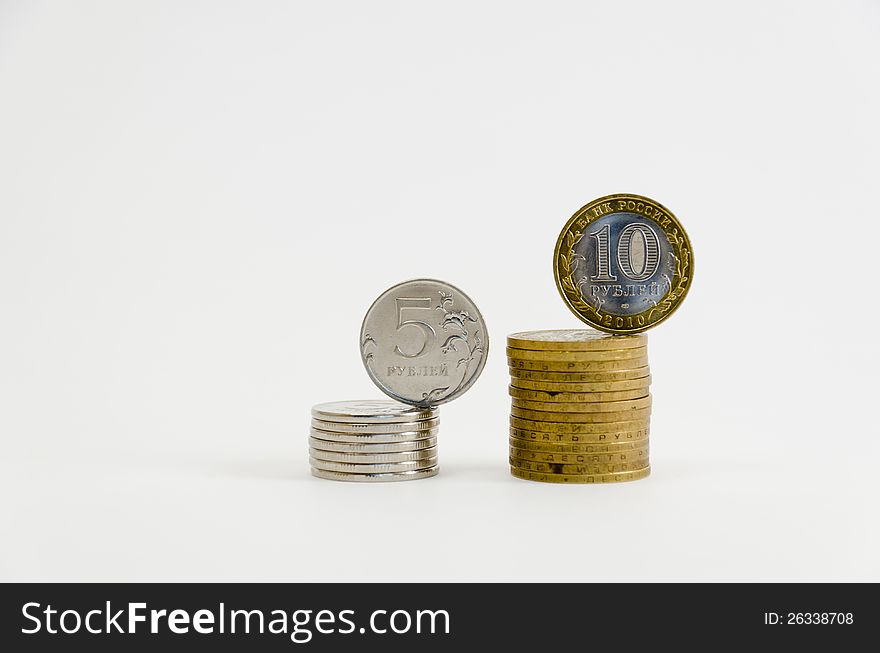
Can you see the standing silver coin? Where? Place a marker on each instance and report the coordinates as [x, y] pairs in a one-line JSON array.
[[424, 342]]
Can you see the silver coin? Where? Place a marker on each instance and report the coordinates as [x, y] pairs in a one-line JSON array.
[[372, 468], [375, 478], [372, 447], [363, 458], [405, 436], [396, 427], [371, 411], [424, 342]]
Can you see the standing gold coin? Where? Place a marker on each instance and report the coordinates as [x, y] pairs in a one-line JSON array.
[[623, 263], [540, 445], [573, 340], [604, 458], [581, 377], [580, 478], [575, 397], [584, 406], [577, 356], [561, 468], [606, 429], [578, 366], [548, 387]]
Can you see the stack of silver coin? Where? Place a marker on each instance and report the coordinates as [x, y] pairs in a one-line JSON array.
[[373, 441]]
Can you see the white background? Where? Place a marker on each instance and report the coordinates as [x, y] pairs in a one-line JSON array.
[[199, 201]]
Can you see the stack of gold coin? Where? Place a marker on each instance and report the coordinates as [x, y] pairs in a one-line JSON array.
[[581, 406], [373, 441]]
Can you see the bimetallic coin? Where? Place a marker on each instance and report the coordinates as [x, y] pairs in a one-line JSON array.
[[580, 377], [578, 366], [581, 418], [396, 427], [424, 342], [580, 478], [370, 411], [623, 263], [405, 436], [375, 478], [574, 428], [372, 468], [539, 445], [573, 340], [361, 458], [574, 397], [584, 406], [550, 387], [577, 356], [560, 468], [368, 447], [625, 456]]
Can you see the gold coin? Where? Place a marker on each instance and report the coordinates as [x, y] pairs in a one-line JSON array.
[[576, 356], [540, 445], [618, 406], [603, 458], [581, 377], [584, 406], [550, 387], [577, 468], [581, 418], [575, 397], [580, 478], [578, 366], [623, 263], [555, 429], [573, 340], [609, 437]]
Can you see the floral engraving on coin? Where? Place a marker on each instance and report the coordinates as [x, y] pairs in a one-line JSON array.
[[472, 344]]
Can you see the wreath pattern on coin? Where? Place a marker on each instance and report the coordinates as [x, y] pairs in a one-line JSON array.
[[570, 267]]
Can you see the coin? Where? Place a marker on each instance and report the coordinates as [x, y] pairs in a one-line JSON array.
[[370, 411], [584, 406], [366, 429], [574, 397], [578, 366], [580, 478], [375, 468], [574, 428], [581, 377], [550, 387], [372, 447], [375, 478], [577, 356], [539, 445], [623, 263], [406, 436], [581, 418], [573, 340], [577, 468], [567, 458], [361, 458], [424, 342]]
